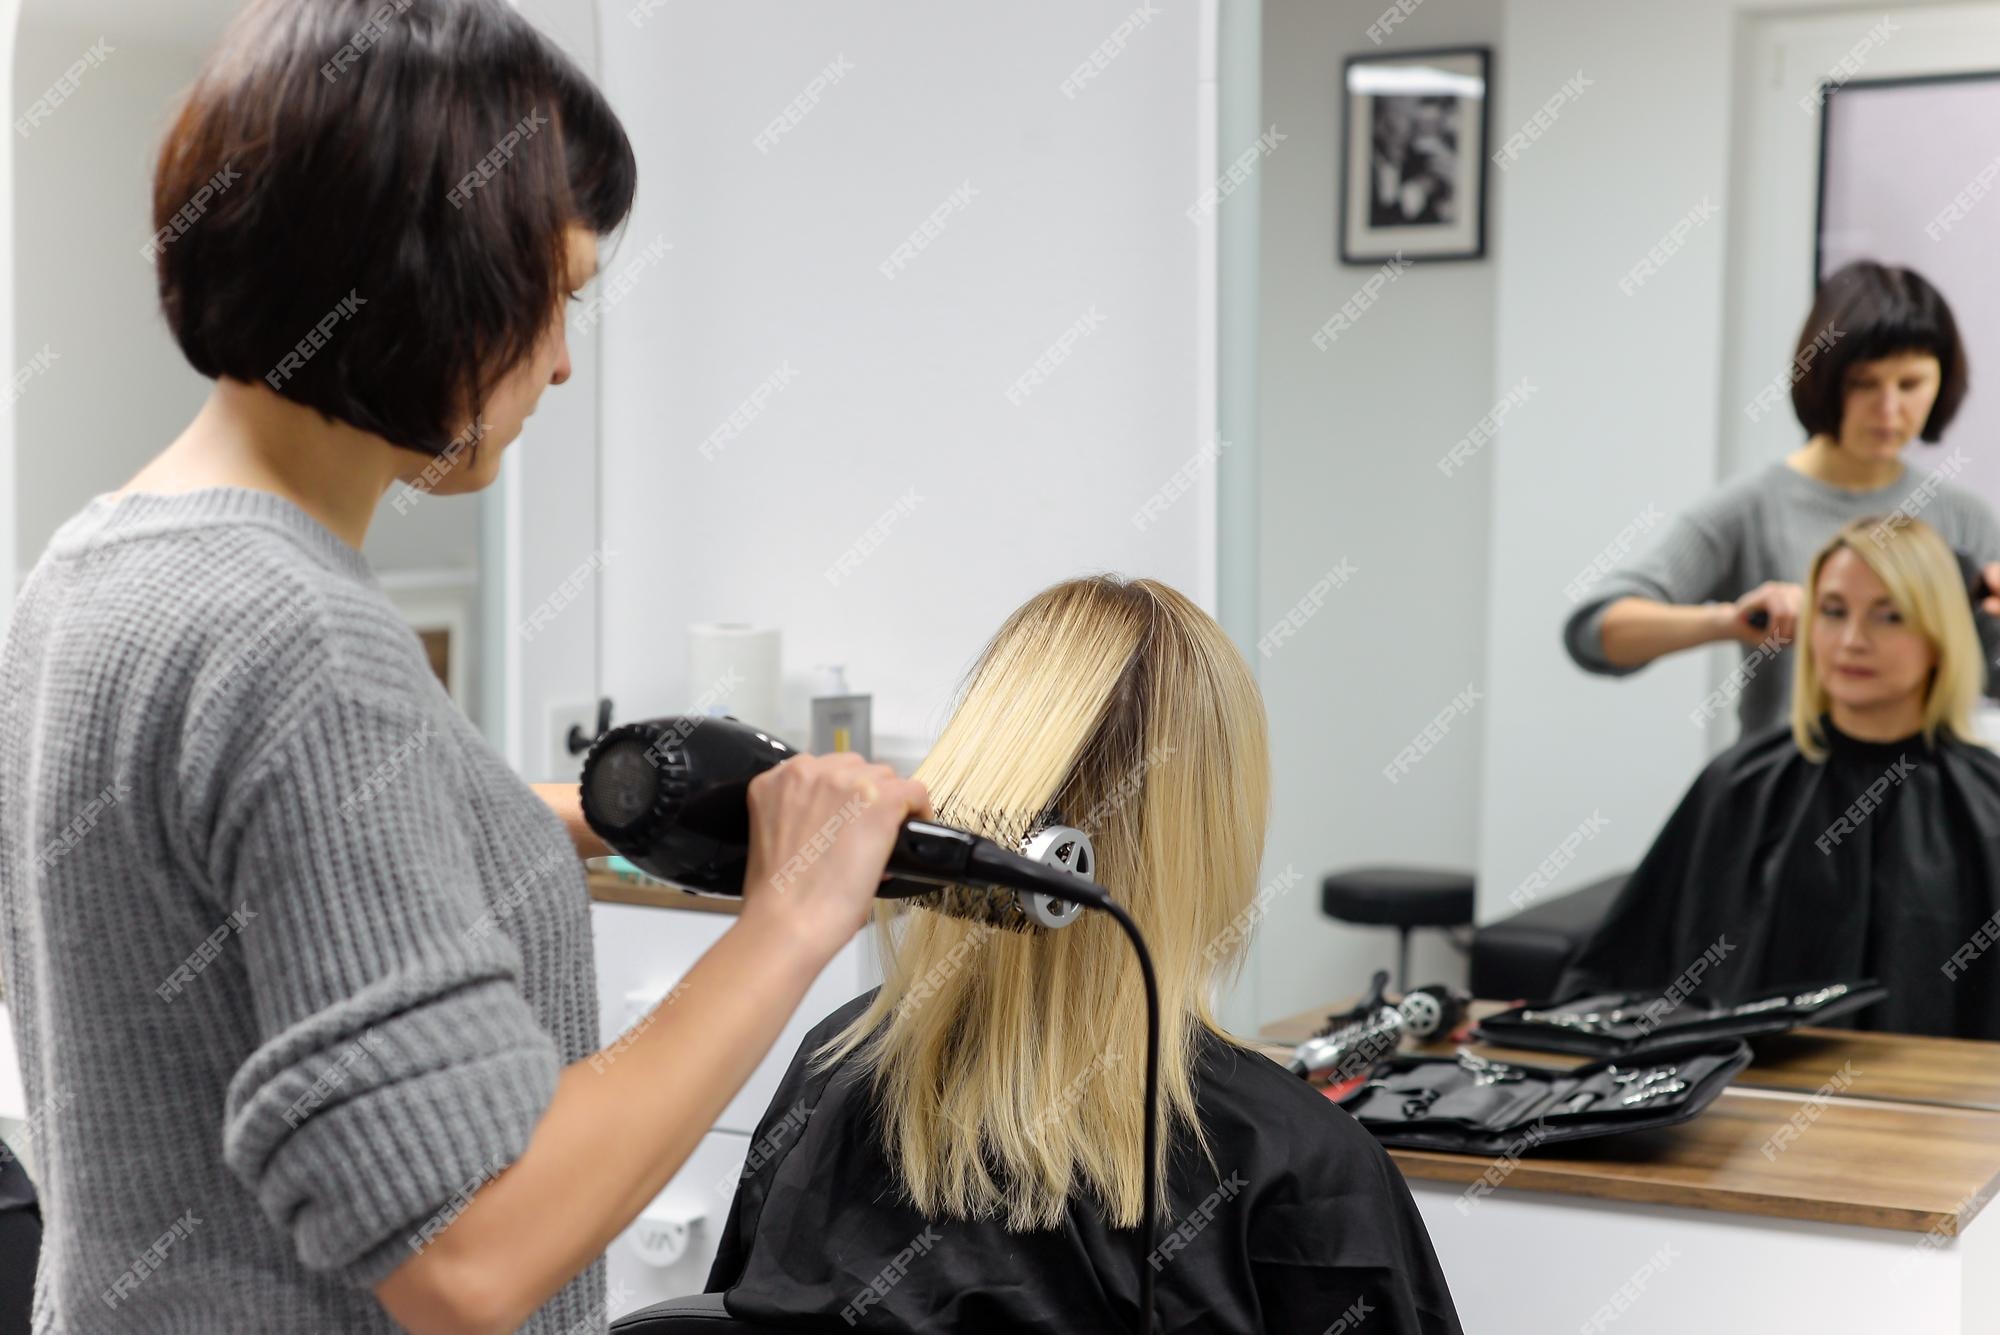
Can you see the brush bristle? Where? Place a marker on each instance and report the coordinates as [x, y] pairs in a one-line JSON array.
[[1009, 829], [995, 908]]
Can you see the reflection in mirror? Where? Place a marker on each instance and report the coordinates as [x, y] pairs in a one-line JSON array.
[[1652, 703]]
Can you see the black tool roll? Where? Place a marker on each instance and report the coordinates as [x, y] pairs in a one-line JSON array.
[[1475, 1105], [1633, 1024]]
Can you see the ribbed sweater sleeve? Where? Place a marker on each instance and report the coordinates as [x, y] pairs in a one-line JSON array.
[[1691, 562], [396, 1065]]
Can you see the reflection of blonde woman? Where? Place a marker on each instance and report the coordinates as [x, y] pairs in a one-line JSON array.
[[1862, 839], [988, 1098], [1879, 363]]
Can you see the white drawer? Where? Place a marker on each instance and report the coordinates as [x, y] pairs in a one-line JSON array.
[[643, 952], [667, 1252]]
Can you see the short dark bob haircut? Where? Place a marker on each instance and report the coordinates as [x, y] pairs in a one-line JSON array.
[[1864, 312], [363, 203]]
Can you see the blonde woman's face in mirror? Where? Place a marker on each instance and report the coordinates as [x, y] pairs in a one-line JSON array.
[[1868, 655]]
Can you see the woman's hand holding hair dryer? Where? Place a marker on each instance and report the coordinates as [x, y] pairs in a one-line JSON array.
[[821, 828], [624, 1120]]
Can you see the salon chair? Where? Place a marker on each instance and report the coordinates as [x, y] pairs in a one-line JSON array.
[[1523, 957], [701, 1314], [1405, 898]]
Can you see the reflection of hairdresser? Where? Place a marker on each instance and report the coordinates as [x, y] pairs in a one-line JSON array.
[[987, 1099], [1879, 362], [1862, 840]]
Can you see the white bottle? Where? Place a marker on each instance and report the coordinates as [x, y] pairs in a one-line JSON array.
[[840, 721]]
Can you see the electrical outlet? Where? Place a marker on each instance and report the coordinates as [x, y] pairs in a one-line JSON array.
[[561, 766]]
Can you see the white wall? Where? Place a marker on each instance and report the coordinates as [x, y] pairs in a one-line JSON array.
[[1239, 121], [11, 1122], [539, 524], [1626, 415], [1351, 438], [897, 383], [21, 82], [119, 390], [10, 522]]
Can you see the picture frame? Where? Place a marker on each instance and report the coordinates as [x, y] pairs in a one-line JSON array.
[[1413, 154]]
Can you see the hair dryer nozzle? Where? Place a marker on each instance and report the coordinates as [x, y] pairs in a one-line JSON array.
[[671, 796]]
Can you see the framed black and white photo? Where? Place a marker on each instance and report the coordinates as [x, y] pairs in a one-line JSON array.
[[1413, 156]]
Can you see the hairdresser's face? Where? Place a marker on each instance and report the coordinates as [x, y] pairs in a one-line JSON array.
[[1868, 655], [1886, 402], [514, 399]]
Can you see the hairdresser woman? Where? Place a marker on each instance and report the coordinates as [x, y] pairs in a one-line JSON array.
[[300, 971], [1879, 363]]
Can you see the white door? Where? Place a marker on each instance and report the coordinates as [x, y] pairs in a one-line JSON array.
[[1775, 197], [1775, 191]]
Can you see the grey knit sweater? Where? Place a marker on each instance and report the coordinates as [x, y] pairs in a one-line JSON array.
[[1768, 525], [293, 959]]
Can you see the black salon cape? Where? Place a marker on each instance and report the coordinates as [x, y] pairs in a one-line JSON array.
[[16, 1191], [1324, 1226], [1756, 857]]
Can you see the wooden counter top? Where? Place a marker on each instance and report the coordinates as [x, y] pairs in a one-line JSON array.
[[610, 888], [1912, 1142], [1943, 1072], [1906, 1068], [1885, 1165]]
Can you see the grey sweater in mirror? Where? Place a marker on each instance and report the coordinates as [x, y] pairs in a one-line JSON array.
[[1768, 525], [293, 959]]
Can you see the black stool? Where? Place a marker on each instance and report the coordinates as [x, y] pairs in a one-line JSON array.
[[1401, 897]]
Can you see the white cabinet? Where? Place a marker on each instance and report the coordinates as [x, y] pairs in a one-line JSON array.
[[667, 1251], [641, 954]]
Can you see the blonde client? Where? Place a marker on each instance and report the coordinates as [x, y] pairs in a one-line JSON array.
[[961, 1149]]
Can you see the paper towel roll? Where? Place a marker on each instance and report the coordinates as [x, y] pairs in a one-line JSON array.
[[733, 669]]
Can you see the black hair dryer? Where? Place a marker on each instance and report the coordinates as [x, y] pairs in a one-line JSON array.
[[672, 796]]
